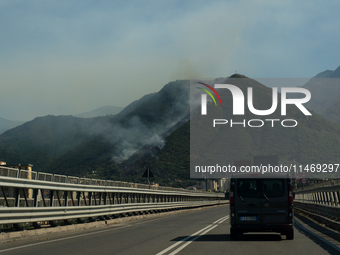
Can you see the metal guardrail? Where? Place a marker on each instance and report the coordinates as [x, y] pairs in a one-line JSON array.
[[10, 215], [321, 200], [326, 210], [27, 196]]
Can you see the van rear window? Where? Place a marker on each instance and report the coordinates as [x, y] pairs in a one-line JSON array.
[[248, 188], [273, 187], [253, 188]]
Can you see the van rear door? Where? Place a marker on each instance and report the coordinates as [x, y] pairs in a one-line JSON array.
[[275, 201], [248, 201], [261, 201]]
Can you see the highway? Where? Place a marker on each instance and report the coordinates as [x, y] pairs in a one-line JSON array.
[[204, 231]]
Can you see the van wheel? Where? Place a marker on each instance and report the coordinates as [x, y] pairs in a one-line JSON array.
[[290, 234], [233, 234]]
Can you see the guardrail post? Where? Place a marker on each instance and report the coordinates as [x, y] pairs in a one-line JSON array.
[[323, 198], [72, 199], [52, 223], [90, 198], [100, 198], [35, 197], [120, 198], [335, 198], [25, 196], [105, 198], [66, 198], [329, 202], [17, 197], [58, 197], [5, 197], [314, 197], [85, 198], [51, 198], [43, 197], [319, 198], [327, 198], [331, 198], [111, 198]]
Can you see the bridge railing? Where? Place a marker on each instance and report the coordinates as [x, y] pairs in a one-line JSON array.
[[27, 196]]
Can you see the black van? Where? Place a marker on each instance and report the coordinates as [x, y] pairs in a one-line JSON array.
[[261, 203]]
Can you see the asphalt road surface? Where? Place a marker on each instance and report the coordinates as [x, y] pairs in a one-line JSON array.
[[204, 231]]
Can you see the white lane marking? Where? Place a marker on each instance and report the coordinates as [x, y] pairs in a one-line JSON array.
[[65, 238], [195, 235], [189, 242]]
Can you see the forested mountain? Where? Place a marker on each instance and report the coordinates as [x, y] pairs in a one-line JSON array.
[[155, 132]]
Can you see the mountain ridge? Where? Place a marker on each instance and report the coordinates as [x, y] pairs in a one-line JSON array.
[[101, 111], [6, 124]]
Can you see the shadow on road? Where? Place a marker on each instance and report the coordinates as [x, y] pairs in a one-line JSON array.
[[327, 232]]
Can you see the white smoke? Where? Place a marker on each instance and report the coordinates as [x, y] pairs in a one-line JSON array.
[[133, 135]]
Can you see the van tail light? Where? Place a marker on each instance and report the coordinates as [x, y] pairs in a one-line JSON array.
[[231, 197], [290, 198], [232, 200], [290, 213]]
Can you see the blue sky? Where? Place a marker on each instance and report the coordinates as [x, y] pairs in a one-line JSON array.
[[67, 57]]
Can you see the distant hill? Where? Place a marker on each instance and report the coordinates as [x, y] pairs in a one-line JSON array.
[[329, 74], [102, 111], [45, 139], [131, 107], [8, 124], [325, 90]]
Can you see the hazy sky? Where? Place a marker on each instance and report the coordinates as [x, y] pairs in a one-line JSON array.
[[67, 57]]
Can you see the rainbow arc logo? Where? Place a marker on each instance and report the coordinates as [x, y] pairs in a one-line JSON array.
[[204, 97], [209, 93]]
